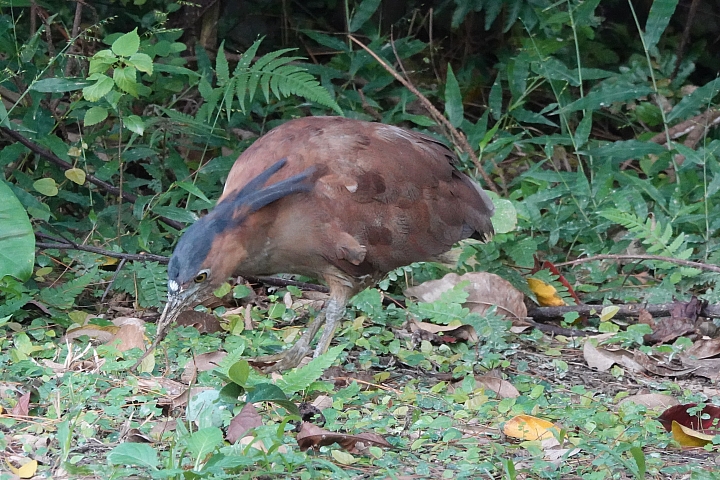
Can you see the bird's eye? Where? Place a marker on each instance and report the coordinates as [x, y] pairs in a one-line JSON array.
[[201, 277]]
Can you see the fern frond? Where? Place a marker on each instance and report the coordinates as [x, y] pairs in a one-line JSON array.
[[656, 237]]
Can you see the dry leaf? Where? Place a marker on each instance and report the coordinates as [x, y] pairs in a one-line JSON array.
[[22, 407], [705, 421], [527, 427], [651, 400], [683, 317], [201, 363], [503, 388], [704, 348], [131, 334], [660, 365], [203, 322], [602, 359], [545, 293], [450, 333], [247, 419], [485, 289], [312, 436], [687, 437], [26, 471]]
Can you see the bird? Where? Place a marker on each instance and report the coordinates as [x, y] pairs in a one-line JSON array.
[[340, 200]]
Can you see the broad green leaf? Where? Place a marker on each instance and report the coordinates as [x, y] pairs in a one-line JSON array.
[[193, 189], [127, 45], [58, 85], [139, 454], [126, 80], [606, 95], [76, 175], [142, 62], [175, 213], [453, 99], [95, 115], [46, 186], [267, 392], [135, 124], [102, 86], [101, 61], [658, 19], [239, 372], [504, 219], [363, 12], [624, 150], [204, 441], [17, 241], [699, 99]]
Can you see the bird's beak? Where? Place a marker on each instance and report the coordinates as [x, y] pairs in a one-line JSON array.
[[174, 306]]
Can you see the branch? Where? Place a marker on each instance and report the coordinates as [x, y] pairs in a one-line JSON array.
[[677, 261], [630, 310], [439, 117], [90, 178]]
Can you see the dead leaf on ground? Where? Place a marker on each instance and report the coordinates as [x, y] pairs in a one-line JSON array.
[[134, 435], [602, 358], [503, 388], [704, 348], [97, 333], [687, 437], [201, 363], [182, 399], [706, 367], [527, 427], [312, 436], [704, 421], [131, 334], [310, 413], [545, 293], [203, 322], [156, 384], [450, 333], [27, 470], [247, 419], [651, 400], [485, 290], [161, 427], [662, 365], [343, 378], [682, 320], [22, 407]]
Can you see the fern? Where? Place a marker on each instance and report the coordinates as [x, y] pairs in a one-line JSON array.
[[272, 74], [64, 295], [658, 239]]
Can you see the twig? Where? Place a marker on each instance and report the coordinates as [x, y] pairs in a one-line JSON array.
[[439, 117], [66, 244], [110, 284], [659, 258], [629, 310], [89, 177]]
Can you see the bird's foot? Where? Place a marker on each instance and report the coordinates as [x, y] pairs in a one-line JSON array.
[[284, 360]]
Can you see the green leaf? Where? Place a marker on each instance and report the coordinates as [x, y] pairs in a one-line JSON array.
[[175, 213], [76, 175], [222, 70], [126, 80], [453, 99], [624, 150], [127, 45], [505, 218], [142, 62], [135, 124], [495, 99], [140, 454], [697, 100], [301, 378], [101, 61], [194, 190], [363, 12], [102, 86], [95, 115], [239, 372], [46, 186], [658, 19], [59, 85], [606, 94], [267, 392], [17, 241], [64, 294], [204, 441]]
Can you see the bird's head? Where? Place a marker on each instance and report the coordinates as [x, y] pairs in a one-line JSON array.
[[210, 250]]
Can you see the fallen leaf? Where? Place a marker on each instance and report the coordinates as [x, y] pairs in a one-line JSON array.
[[661, 365], [527, 427], [450, 333], [201, 363], [704, 348], [203, 322], [503, 388], [484, 290], [247, 419], [26, 471], [706, 367], [312, 436], [682, 320], [22, 407], [602, 358], [163, 426], [651, 400], [687, 437], [705, 421], [101, 334], [545, 293], [131, 334]]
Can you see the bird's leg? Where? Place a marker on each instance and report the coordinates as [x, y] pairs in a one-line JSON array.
[[290, 358], [334, 311]]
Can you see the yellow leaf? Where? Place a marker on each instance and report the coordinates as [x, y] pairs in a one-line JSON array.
[[546, 294], [76, 175], [527, 427], [608, 312], [26, 471], [687, 437], [46, 186]]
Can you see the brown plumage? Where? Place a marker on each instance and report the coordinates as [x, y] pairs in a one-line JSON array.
[[341, 200]]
